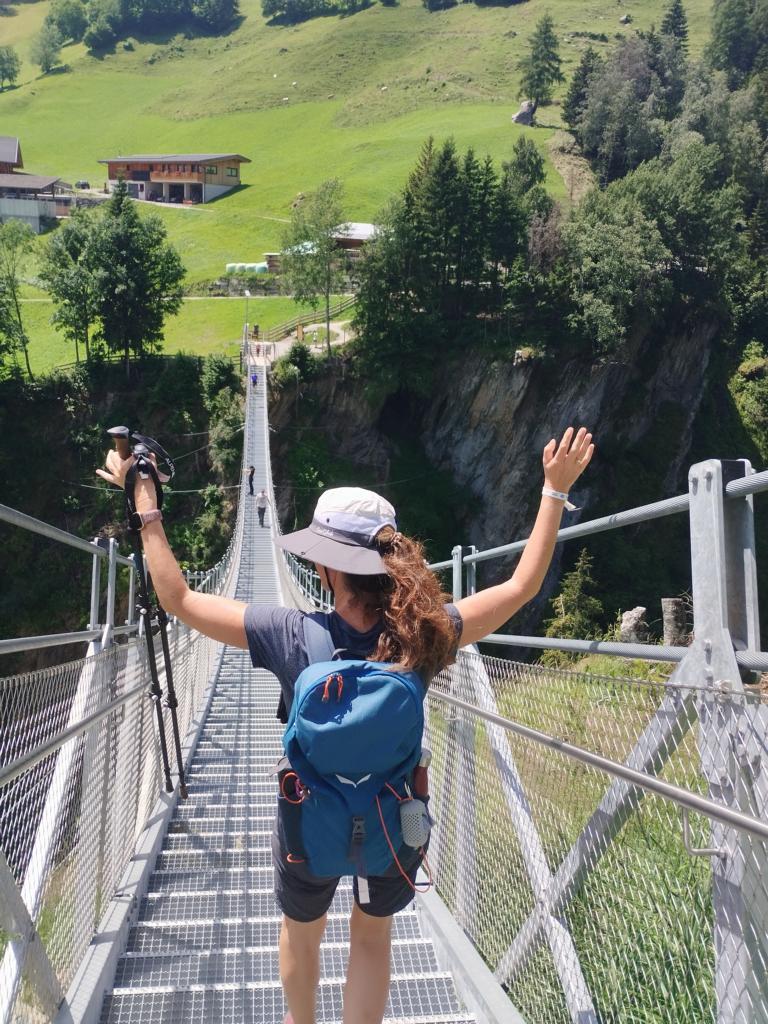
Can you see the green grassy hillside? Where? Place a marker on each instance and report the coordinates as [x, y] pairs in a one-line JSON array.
[[352, 97]]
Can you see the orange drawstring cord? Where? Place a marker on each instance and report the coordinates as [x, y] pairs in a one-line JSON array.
[[298, 788]]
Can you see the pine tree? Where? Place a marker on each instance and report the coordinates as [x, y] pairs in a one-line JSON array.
[[576, 612], [540, 70], [526, 168], [576, 98], [734, 44], [675, 24]]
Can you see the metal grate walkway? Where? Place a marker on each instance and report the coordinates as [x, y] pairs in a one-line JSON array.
[[205, 943]]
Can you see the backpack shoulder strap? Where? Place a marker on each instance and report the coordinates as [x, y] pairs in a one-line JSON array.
[[317, 637]]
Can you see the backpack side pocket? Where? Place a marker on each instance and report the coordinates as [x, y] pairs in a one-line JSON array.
[[289, 811]]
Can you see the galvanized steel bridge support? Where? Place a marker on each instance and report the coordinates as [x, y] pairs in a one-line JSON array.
[[734, 762]]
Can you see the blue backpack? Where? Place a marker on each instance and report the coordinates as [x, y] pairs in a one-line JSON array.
[[351, 743]]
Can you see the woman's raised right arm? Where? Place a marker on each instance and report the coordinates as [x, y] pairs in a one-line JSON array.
[[221, 618]]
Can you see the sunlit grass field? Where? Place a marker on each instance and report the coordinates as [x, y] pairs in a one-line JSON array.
[[202, 327], [349, 97]]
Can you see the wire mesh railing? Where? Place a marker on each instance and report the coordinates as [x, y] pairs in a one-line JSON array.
[[84, 778], [586, 895], [80, 773]]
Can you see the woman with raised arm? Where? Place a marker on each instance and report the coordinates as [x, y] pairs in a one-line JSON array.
[[388, 608]]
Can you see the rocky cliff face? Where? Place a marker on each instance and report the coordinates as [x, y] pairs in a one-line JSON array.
[[487, 422]]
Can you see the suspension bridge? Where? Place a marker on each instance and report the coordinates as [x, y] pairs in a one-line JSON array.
[[600, 852]]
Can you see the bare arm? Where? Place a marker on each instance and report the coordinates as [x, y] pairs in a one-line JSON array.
[[219, 617], [486, 611]]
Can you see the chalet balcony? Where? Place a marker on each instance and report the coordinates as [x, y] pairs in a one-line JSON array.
[[178, 176]]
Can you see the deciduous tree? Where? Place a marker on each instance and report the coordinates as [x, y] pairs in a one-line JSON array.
[[215, 14], [137, 277], [311, 260], [67, 274], [46, 48], [16, 244], [70, 18], [10, 65]]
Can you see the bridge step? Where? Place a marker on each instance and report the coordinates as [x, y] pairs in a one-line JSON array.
[[256, 965], [203, 936], [411, 999]]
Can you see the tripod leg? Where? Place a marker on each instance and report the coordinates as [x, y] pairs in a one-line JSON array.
[[155, 691], [171, 701]]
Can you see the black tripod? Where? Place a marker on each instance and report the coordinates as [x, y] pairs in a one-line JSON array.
[[146, 468]]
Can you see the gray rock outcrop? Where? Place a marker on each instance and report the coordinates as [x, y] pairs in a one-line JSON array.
[[634, 628], [525, 114]]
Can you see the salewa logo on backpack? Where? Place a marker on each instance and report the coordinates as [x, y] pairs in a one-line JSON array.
[[353, 739], [349, 782]]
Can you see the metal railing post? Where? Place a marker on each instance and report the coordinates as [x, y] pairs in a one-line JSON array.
[[25, 954], [109, 614], [93, 621], [471, 571], [720, 599], [456, 556], [131, 598]]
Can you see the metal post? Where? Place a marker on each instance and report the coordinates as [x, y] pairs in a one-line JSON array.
[[109, 615], [24, 950], [471, 571], [95, 590], [456, 555], [735, 926], [131, 597]]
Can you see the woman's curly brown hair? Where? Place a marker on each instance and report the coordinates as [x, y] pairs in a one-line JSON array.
[[418, 632]]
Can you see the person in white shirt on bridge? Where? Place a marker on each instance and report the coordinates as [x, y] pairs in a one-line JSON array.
[[261, 505]]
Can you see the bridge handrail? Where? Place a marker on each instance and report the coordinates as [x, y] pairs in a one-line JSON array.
[[643, 513], [26, 522], [280, 331]]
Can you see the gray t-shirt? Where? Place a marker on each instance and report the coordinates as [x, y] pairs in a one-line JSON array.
[[276, 642]]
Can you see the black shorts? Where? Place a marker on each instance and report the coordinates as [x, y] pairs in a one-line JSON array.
[[305, 897]]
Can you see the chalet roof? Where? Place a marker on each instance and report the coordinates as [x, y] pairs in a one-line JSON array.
[[27, 182], [175, 158], [356, 231], [10, 151]]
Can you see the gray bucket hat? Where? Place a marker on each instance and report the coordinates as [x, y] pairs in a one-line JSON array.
[[343, 531]]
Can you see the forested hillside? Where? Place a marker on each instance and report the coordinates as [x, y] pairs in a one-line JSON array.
[[643, 312]]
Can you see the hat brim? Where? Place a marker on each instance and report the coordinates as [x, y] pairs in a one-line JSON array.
[[333, 554]]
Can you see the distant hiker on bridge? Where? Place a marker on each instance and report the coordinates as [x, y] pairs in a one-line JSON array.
[[251, 471], [389, 609], [261, 505]]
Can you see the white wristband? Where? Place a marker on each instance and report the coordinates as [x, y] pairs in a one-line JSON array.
[[549, 493]]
